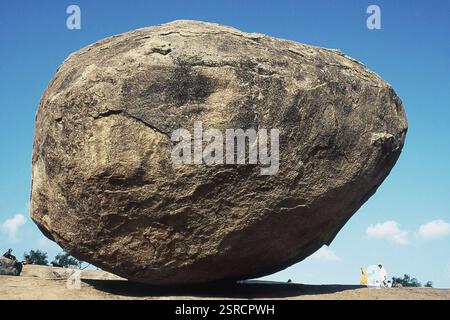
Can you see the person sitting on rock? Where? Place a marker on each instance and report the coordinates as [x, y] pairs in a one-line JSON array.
[[9, 265], [8, 255]]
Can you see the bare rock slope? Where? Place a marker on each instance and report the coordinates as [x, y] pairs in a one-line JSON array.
[[105, 187], [49, 283]]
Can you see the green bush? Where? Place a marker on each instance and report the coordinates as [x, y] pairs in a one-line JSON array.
[[64, 259], [408, 281], [37, 257]]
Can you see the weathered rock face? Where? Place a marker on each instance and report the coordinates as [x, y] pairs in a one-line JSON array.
[[9, 267], [105, 187]]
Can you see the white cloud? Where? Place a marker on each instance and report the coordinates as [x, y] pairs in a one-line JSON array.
[[434, 230], [388, 230], [325, 254], [12, 225]]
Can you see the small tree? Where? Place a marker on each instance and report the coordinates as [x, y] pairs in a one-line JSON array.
[[407, 281], [65, 260], [37, 257]]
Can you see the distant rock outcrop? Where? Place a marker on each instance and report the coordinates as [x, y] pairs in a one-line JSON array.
[[106, 190], [9, 267]]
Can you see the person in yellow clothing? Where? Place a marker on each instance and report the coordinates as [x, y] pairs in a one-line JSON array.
[[363, 279]]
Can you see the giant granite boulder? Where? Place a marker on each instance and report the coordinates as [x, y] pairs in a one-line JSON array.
[[106, 189]]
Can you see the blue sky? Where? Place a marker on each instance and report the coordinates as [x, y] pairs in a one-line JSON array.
[[404, 226]]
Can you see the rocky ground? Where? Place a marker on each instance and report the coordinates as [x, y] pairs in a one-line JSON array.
[[49, 283]]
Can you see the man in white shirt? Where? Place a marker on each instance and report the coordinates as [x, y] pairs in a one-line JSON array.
[[383, 275]]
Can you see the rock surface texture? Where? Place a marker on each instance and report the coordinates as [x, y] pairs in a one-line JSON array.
[[105, 187], [9, 267]]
